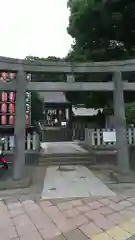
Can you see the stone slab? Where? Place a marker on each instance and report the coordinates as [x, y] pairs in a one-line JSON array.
[[62, 147], [78, 183]]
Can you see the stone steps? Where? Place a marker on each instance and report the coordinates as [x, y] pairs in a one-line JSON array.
[[66, 159]]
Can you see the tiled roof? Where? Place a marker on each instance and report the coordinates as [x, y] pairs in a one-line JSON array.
[[53, 97]]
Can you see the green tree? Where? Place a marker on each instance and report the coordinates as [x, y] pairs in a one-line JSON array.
[[130, 113], [50, 58], [102, 30]]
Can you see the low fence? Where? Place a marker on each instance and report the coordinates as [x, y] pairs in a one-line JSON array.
[[32, 142], [106, 137], [78, 131]]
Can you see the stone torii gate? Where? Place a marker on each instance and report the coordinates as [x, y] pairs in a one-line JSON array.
[[20, 85]]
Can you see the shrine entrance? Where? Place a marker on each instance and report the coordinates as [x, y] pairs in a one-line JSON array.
[[57, 114], [21, 84]]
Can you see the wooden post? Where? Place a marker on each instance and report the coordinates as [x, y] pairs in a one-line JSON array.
[[120, 124], [20, 125]]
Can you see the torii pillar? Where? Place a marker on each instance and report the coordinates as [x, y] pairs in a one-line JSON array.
[[20, 125], [120, 124]]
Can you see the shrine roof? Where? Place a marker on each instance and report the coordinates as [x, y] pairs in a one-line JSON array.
[[53, 97]]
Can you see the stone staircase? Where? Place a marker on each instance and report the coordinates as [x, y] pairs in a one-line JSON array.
[[47, 159]]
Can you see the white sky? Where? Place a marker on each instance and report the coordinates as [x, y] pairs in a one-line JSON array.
[[34, 27]]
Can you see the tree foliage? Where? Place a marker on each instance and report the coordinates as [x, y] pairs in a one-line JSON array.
[[102, 30], [50, 58], [130, 113]]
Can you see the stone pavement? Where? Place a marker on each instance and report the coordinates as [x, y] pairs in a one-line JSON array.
[[74, 181], [62, 147], [94, 218]]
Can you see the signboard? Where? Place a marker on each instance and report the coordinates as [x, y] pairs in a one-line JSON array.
[[109, 136]]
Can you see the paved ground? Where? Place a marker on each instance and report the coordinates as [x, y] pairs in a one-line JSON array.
[[79, 219], [25, 216], [72, 181], [62, 147]]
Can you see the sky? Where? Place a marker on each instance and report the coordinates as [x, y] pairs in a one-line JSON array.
[[34, 27]]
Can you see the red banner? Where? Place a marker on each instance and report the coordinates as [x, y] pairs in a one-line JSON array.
[[11, 120], [4, 96], [12, 76], [27, 120], [11, 108], [4, 76], [3, 119], [3, 107], [11, 96], [7, 103]]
